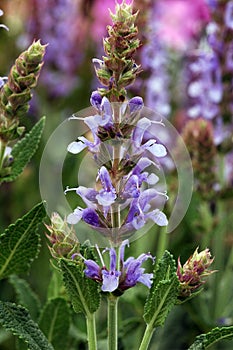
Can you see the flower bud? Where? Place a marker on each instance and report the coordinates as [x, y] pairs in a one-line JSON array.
[[199, 140], [16, 92], [190, 275], [62, 238]]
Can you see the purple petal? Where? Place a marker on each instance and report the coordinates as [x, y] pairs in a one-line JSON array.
[[159, 217], [88, 195], [135, 104], [113, 257], [75, 217], [106, 106], [146, 279], [152, 179], [96, 99], [155, 148], [110, 280], [105, 179], [139, 130], [90, 216], [122, 250], [106, 198], [76, 147], [92, 269]]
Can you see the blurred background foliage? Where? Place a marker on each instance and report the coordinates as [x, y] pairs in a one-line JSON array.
[[175, 35]]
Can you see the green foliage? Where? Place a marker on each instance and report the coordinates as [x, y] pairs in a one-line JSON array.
[[83, 292], [55, 322], [26, 296], [19, 244], [23, 151], [203, 341], [16, 319], [163, 293], [55, 287]]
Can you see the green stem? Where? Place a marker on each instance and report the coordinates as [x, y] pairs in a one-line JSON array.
[[112, 322], [147, 337], [2, 152], [218, 252], [91, 332]]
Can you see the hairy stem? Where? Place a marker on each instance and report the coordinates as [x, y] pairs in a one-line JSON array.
[[147, 337], [91, 332], [112, 322]]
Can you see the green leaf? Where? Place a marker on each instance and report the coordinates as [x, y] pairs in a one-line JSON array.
[[26, 296], [163, 293], [55, 322], [56, 286], [16, 319], [19, 244], [203, 341], [23, 151], [83, 292]]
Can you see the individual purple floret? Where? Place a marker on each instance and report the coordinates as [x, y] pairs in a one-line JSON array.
[[121, 278]]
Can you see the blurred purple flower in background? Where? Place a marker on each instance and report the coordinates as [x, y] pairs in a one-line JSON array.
[[179, 21], [58, 23]]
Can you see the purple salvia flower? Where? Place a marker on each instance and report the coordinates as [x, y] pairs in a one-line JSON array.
[[88, 215], [152, 146], [129, 274], [111, 276], [139, 211], [76, 147], [107, 195]]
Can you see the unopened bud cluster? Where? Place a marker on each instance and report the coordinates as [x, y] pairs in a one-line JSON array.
[[191, 273], [61, 237], [16, 92], [199, 140], [117, 69]]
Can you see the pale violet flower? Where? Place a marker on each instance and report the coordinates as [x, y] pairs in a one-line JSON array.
[[118, 279]]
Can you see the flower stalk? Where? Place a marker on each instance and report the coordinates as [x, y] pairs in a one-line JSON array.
[[91, 331], [112, 322]]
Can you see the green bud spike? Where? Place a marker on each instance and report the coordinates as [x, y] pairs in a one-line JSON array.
[[16, 93], [118, 69]]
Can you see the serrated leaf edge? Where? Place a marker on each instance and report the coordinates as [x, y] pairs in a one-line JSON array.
[[202, 338], [85, 307], [40, 208]]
